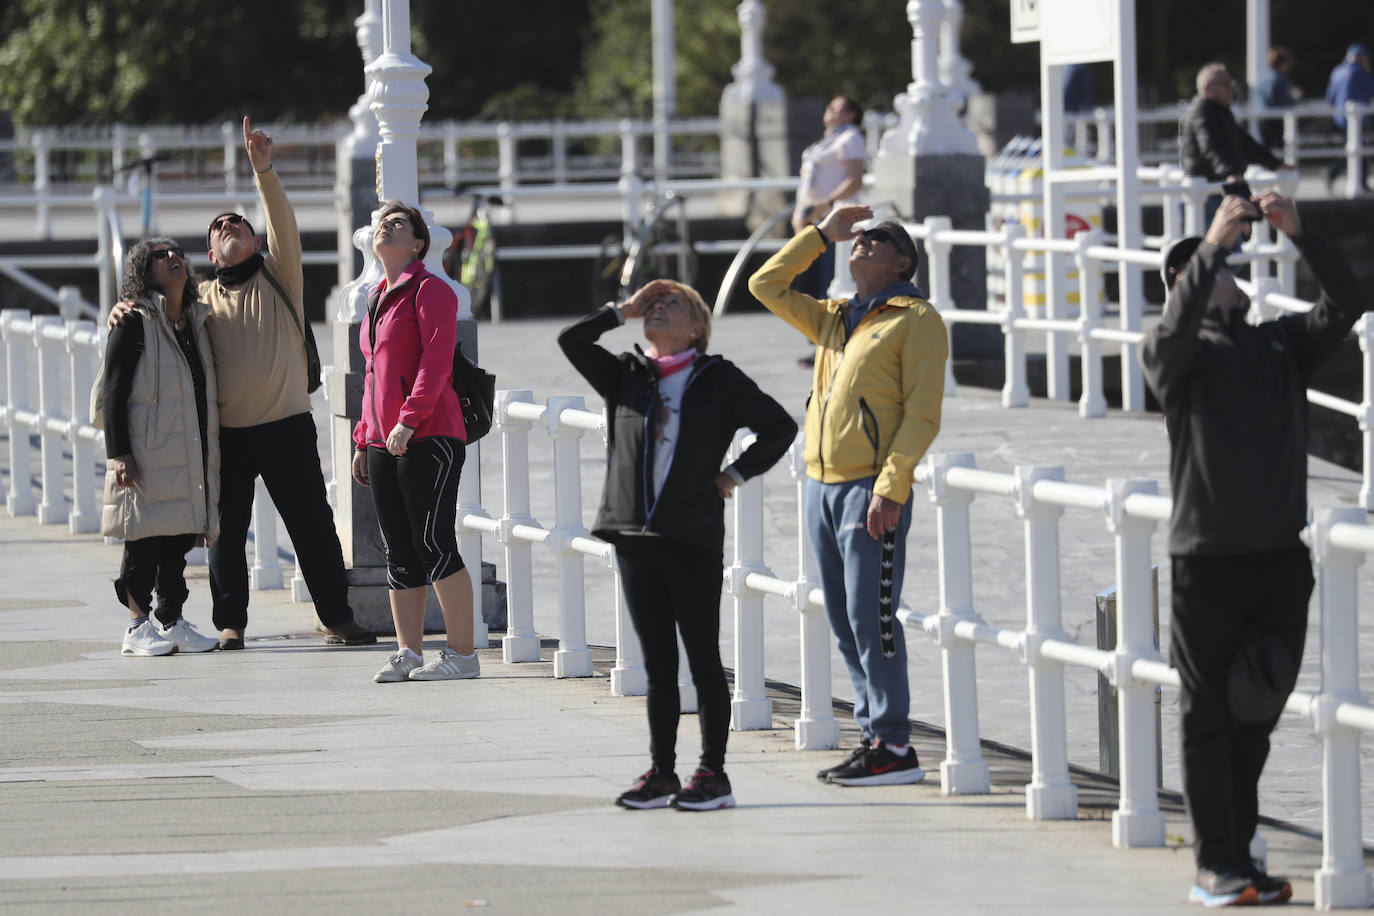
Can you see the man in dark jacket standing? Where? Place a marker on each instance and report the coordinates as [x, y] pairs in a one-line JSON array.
[[1235, 404], [1210, 142]]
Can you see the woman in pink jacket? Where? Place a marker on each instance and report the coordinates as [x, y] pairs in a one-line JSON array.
[[409, 448]]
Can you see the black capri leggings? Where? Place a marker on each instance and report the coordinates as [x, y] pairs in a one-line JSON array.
[[416, 497]]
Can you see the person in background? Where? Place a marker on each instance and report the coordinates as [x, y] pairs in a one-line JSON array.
[[877, 387], [1234, 397], [409, 448], [156, 402], [672, 414], [832, 170], [1350, 81], [1276, 90]]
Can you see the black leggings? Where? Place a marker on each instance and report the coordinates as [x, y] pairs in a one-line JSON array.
[[666, 583], [416, 497], [155, 561]]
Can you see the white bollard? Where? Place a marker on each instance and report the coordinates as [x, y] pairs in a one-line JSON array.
[[521, 643], [1092, 402], [1137, 820], [1342, 880], [15, 324], [572, 658], [82, 342], [816, 729], [1015, 391], [963, 771], [52, 506], [1050, 795], [750, 707], [266, 571]]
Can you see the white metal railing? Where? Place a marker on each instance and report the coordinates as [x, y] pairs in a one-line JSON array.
[[1130, 510]]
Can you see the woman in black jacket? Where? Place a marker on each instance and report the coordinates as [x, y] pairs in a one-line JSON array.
[[673, 413]]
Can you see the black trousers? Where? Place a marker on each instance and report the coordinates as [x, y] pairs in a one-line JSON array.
[[1217, 601], [158, 561], [284, 454], [416, 498], [672, 588]]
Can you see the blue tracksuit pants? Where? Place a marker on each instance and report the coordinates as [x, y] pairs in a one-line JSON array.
[[850, 563]]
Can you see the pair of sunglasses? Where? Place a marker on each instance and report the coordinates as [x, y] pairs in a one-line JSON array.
[[161, 254], [231, 219]]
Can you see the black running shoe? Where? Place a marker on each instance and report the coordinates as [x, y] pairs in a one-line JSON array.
[[854, 757], [348, 633], [880, 767], [1270, 889], [652, 790], [707, 790]]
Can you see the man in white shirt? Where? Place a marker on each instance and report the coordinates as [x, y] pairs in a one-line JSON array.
[[832, 171]]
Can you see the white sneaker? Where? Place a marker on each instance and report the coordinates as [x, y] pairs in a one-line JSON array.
[[447, 665], [186, 637], [398, 667], [143, 639]]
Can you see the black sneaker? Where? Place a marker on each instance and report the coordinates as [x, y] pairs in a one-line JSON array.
[[854, 757], [1223, 887], [652, 790], [1270, 889], [707, 790], [879, 767], [348, 633]]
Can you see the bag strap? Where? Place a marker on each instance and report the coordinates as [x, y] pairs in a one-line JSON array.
[[290, 306]]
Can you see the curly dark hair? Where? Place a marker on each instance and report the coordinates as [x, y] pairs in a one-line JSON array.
[[137, 282]]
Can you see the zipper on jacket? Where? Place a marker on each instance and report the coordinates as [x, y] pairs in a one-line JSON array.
[[825, 403], [372, 362]]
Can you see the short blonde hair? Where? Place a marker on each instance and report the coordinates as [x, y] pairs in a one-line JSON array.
[[1208, 74], [701, 315]]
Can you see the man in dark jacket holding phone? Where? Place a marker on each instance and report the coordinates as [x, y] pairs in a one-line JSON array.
[[1235, 404]]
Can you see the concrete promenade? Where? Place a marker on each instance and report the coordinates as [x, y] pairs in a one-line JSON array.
[[282, 778]]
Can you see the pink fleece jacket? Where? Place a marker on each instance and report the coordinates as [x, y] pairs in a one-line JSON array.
[[407, 340]]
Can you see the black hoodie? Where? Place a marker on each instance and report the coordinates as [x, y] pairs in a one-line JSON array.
[[1235, 404], [719, 399]]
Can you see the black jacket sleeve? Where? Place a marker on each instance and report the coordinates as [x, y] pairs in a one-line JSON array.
[[596, 364], [772, 425], [123, 348], [1340, 305], [1171, 347], [1225, 145]]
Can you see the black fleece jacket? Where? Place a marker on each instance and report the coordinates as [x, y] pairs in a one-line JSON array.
[[1213, 145], [719, 399], [1235, 404]]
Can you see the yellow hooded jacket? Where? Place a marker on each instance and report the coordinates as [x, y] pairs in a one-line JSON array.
[[875, 398]]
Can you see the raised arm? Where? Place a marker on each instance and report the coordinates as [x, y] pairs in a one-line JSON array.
[[283, 236]]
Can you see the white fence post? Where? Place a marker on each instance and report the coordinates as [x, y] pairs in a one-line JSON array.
[[1015, 391], [266, 571], [470, 540], [52, 506], [42, 182], [1342, 880], [1138, 820], [230, 136], [19, 496], [1092, 401], [452, 159], [507, 161], [1050, 795], [1364, 330], [750, 707], [963, 771], [572, 658], [82, 342], [628, 677], [816, 728], [522, 641], [941, 289], [1353, 171]]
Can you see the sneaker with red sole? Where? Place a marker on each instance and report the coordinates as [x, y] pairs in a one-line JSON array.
[[652, 790], [707, 790]]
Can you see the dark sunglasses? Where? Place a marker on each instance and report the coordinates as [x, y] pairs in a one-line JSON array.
[[880, 235], [230, 220], [161, 254]]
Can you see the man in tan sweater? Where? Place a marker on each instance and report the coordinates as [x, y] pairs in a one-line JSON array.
[[266, 429]]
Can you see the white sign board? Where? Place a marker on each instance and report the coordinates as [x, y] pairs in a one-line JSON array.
[[1078, 31], [1025, 21]]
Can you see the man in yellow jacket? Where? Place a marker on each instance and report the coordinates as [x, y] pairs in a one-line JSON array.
[[878, 381]]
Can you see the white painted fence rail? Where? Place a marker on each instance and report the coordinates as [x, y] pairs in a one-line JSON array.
[[1130, 510]]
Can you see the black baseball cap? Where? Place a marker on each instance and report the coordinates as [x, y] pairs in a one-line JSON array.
[[1176, 257], [893, 231]]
